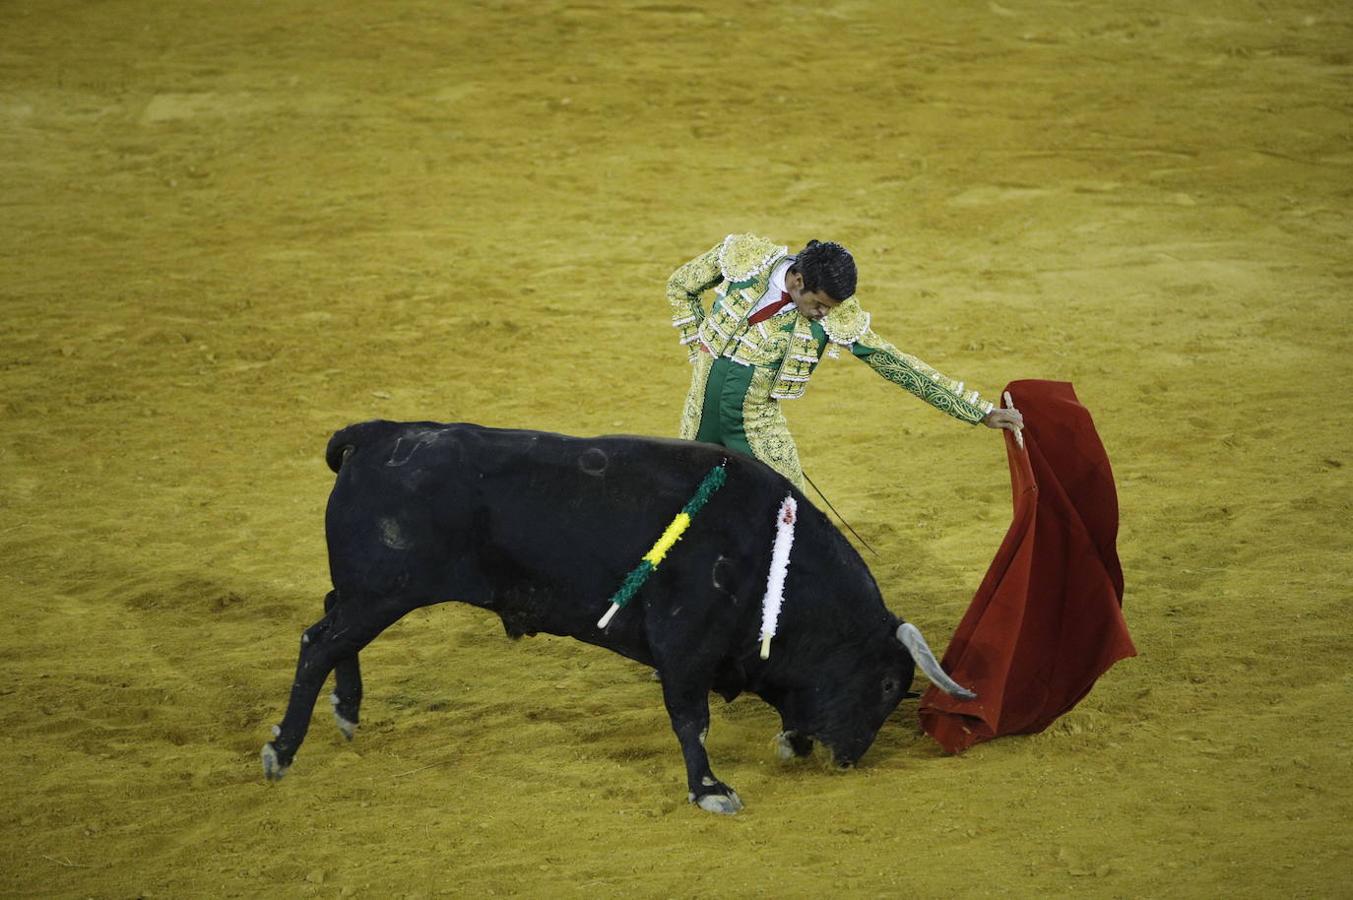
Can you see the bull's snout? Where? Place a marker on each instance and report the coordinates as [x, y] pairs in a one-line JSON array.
[[845, 753]]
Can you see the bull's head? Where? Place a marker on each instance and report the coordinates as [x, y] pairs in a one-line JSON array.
[[847, 715]]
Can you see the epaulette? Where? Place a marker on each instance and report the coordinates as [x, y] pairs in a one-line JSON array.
[[846, 323], [744, 256]]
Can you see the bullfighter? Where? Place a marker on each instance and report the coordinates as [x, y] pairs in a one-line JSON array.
[[773, 316]]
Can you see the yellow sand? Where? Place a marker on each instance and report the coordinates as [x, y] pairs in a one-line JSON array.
[[227, 229]]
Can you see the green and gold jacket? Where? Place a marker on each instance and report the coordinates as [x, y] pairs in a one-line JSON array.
[[740, 268]]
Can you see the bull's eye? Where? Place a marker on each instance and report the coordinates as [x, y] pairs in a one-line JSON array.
[[890, 687]]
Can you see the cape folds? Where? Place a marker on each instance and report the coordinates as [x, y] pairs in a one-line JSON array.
[[1047, 620]]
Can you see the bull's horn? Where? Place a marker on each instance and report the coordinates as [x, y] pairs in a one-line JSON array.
[[910, 637]]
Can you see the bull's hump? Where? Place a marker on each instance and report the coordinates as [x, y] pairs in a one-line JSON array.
[[412, 439]]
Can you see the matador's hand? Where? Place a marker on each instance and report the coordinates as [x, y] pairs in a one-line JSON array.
[[1008, 418]]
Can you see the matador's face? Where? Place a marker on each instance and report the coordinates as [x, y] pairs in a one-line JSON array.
[[812, 304]]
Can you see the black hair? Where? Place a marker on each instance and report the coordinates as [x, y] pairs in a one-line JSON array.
[[827, 267]]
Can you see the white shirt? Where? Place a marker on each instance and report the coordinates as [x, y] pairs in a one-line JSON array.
[[775, 288]]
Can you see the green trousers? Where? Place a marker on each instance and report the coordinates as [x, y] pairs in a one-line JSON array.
[[734, 408], [721, 417]]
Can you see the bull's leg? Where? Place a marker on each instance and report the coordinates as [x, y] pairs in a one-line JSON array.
[[688, 706], [347, 695], [340, 635], [311, 669], [790, 744]]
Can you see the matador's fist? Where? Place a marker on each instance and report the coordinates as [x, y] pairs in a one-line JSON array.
[[1008, 418]]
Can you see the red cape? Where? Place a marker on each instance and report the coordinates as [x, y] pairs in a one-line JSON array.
[[1047, 620]]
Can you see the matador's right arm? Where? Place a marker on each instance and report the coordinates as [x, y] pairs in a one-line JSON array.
[[683, 295]]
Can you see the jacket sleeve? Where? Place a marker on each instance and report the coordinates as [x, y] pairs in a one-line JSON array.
[[683, 295], [941, 392]]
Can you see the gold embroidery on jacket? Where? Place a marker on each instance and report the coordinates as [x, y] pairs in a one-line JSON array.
[[846, 322], [743, 257], [941, 392], [767, 431], [693, 408]]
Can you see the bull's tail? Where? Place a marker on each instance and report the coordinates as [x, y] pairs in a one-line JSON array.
[[348, 439]]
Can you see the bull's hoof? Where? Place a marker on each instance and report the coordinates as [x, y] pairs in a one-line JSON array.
[[273, 770], [345, 725], [717, 798], [723, 804]]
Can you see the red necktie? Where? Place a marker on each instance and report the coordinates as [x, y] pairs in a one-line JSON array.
[[771, 310]]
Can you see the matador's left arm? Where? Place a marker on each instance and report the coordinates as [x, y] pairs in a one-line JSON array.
[[851, 328]]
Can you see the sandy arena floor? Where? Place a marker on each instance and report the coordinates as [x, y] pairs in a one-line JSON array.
[[227, 229]]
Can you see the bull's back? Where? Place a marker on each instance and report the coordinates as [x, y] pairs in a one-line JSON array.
[[616, 471], [468, 508]]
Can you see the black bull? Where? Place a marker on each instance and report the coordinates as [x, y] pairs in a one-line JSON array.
[[542, 528]]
